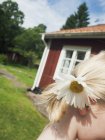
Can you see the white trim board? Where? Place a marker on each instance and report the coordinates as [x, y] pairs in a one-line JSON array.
[[42, 65]]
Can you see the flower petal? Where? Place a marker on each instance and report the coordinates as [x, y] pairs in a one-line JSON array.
[[61, 95], [68, 97]]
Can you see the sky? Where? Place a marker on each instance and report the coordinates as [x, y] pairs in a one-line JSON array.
[[53, 13]]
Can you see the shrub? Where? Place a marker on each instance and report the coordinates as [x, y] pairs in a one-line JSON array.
[[3, 59]]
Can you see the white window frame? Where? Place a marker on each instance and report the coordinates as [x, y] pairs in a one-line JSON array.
[[74, 49]]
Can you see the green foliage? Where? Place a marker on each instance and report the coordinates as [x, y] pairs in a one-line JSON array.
[[3, 59], [42, 27], [78, 19], [12, 12], [10, 20], [70, 22], [19, 119], [23, 74], [29, 44], [82, 15], [24, 44]]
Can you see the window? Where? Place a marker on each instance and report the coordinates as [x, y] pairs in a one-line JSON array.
[[69, 57]]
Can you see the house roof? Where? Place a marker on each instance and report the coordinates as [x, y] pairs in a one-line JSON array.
[[97, 31]]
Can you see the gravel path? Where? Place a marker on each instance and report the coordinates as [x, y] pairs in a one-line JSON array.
[[41, 108]]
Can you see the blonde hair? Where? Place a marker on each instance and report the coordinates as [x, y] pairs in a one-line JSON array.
[[55, 108], [93, 70]]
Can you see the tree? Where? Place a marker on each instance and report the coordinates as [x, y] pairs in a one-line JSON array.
[[78, 19], [11, 18], [29, 44], [82, 15], [42, 27], [70, 22]]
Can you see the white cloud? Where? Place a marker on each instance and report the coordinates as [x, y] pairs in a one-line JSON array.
[[55, 15], [1, 1], [66, 7], [38, 11], [97, 19], [41, 11]]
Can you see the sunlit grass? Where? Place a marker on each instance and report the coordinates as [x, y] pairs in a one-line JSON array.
[[19, 119], [24, 74]]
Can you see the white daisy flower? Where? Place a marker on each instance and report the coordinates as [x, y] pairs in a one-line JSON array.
[[74, 90]]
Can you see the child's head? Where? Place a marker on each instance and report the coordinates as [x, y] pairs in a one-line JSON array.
[[86, 83]]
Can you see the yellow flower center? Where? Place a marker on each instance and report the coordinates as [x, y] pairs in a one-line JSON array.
[[76, 87]]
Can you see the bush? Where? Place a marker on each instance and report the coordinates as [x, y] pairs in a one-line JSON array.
[[3, 59]]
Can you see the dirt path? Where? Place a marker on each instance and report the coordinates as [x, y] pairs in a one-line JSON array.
[[34, 97], [12, 78]]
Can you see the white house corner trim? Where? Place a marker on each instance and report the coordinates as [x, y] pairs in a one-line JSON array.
[[41, 66]]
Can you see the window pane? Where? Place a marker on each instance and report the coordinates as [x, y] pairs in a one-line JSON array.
[[63, 70], [81, 55], [69, 54], [77, 63]]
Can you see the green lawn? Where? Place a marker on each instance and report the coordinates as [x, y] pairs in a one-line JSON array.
[[19, 120], [23, 74]]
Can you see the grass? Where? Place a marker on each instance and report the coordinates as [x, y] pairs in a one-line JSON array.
[[19, 119], [23, 74]]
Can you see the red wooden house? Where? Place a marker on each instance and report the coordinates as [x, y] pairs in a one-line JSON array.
[[66, 48]]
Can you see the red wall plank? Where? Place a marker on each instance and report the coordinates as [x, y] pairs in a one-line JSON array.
[[53, 56]]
